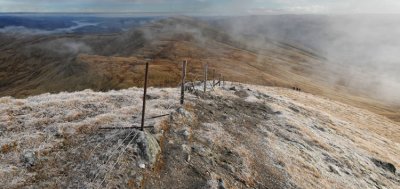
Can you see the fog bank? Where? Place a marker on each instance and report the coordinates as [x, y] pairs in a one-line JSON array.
[[366, 47]]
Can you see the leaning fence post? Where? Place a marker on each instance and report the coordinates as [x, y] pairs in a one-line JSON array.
[[205, 77], [144, 95], [184, 64]]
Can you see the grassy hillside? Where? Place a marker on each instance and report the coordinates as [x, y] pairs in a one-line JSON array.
[[32, 65]]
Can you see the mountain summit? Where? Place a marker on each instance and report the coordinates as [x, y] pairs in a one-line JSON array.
[[237, 136]]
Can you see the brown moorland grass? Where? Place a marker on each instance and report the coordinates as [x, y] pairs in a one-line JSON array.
[[31, 70]]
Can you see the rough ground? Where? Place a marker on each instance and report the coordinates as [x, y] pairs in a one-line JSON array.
[[54, 141], [237, 136]]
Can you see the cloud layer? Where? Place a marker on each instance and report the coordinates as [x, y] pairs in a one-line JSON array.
[[231, 7]]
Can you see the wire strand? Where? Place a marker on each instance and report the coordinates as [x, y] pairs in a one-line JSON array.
[[112, 153], [119, 156]]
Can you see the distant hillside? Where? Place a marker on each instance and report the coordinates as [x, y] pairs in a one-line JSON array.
[[38, 64], [34, 24]]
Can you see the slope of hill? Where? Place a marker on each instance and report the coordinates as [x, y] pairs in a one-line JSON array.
[[53, 24], [237, 136], [38, 64]]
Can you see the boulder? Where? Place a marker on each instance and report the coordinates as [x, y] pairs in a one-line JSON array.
[[148, 146], [241, 94], [221, 184], [384, 165], [152, 96], [186, 134], [28, 158], [183, 112]]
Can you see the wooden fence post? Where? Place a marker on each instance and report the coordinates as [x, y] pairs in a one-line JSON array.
[[213, 77], [184, 64], [205, 77], [144, 95]]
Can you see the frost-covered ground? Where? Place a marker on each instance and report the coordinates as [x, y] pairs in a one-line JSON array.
[[327, 144], [53, 141], [237, 136]]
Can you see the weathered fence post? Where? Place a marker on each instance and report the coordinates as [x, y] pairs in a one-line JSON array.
[[213, 77], [205, 77], [184, 64], [144, 95]]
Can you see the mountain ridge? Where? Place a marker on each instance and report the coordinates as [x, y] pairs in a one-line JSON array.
[[235, 136], [39, 64]]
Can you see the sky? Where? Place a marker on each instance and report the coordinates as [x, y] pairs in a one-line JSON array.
[[223, 7]]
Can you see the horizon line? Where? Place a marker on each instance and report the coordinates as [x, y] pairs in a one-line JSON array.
[[199, 13]]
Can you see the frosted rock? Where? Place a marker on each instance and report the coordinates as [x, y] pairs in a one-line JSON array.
[[149, 147], [29, 158], [186, 134]]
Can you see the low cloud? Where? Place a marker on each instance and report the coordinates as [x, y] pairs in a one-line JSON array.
[[21, 30], [361, 51]]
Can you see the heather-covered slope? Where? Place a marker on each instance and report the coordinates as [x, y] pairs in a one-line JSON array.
[[239, 136]]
